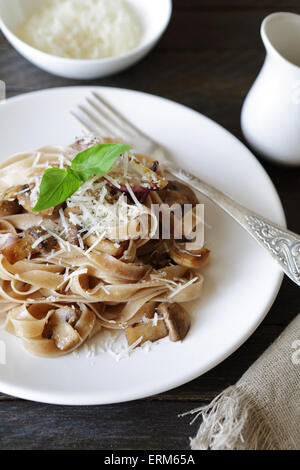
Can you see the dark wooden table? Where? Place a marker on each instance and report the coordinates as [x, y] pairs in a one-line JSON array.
[[207, 60]]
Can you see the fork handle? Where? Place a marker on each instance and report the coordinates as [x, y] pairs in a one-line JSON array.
[[282, 244]]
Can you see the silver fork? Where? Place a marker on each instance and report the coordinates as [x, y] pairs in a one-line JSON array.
[[101, 119]]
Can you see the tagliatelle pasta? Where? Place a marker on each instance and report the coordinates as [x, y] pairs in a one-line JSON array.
[[71, 270]]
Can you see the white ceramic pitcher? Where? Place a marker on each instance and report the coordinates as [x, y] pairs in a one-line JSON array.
[[271, 112]]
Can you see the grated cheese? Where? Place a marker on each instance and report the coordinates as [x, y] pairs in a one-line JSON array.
[[133, 196], [63, 220], [63, 242], [101, 213], [80, 241], [107, 292], [155, 319], [181, 288], [83, 29], [112, 181], [52, 298], [114, 343], [136, 343], [34, 195], [76, 273], [21, 192], [37, 159], [94, 244], [40, 240], [54, 254]]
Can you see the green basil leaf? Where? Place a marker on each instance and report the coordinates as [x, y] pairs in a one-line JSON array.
[[57, 185], [97, 160]]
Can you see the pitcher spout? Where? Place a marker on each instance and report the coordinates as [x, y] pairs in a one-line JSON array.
[[270, 117], [281, 36]]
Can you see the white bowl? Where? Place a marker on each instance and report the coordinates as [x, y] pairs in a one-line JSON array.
[[153, 14]]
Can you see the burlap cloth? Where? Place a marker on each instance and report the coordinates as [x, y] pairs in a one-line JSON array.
[[262, 411]]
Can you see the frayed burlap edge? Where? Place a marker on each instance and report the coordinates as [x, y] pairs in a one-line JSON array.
[[225, 424]]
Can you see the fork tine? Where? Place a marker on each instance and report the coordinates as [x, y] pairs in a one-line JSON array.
[[110, 118], [100, 118], [111, 125], [86, 124], [102, 128], [121, 120]]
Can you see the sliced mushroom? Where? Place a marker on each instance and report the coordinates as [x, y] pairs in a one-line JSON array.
[[21, 195], [25, 201], [72, 210], [139, 177], [10, 204], [178, 193], [148, 329], [150, 163], [145, 313], [148, 248], [176, 319], [7, 239], [159, 260], [16, 248], [73, 234], [107, 246], [47, 213], [60, 328], [155, 253], [9, 208], [190, 259], [45, 246], [66, 329], [73, 228]]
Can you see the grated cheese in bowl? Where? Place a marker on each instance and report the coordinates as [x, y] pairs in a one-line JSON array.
[[82, 29]]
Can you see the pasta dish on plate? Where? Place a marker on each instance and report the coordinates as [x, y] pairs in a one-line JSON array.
[[81, 249]]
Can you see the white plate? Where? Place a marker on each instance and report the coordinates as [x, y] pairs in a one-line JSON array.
[[241, 282]]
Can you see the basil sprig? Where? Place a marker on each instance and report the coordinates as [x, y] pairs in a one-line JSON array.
[[58, 185]]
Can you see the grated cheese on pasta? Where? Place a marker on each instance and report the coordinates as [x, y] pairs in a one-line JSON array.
[[182, 287], [99, 215]]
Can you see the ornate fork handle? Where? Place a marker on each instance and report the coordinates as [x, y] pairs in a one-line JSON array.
[[282, 244]]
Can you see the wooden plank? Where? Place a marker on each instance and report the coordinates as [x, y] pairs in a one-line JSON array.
[[214, 32], [191, 78], [146, 424], [220, 5], [136, 425]]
